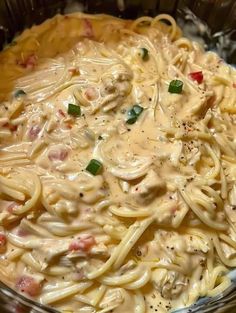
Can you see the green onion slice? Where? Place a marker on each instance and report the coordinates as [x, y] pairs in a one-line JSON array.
[[134, 113], [94, 167], [19, 93], [131, 120], [176, 86], [144, 54], [74, 109], [137, 109]]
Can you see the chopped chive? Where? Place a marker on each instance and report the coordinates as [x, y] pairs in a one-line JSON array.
[[144, 54], [94, 167], [134, 113], [19, 93], [74, 109], [175, 86], [137, 109], [131, 120]]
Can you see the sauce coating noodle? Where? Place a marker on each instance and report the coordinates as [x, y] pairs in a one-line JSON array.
[[117, 166]]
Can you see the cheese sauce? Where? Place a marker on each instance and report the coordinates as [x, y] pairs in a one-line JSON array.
[[117, 166]]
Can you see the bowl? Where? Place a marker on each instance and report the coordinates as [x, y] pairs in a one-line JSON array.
[[211, 22]]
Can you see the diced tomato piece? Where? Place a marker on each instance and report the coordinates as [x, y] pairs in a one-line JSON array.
[[197, 76], [33, 132], [29, 63], [28, 285], [58, 155], [61, 113], [69, 125], [83, 244], [10, 126], [3, 240], [174, 210], [88, 28], [74, 71], [91, 93], [13, 128]]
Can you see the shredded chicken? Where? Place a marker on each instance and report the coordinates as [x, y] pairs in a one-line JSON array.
[[147, 189]]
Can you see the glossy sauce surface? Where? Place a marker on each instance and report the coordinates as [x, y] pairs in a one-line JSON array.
[[153, 230]]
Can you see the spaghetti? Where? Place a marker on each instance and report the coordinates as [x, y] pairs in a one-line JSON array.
[[117, 166]]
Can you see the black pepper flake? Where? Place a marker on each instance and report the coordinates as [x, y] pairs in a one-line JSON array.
[[139, 253], [81, 195]]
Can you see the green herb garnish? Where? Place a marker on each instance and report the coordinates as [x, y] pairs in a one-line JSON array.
[[94, 167], [175, 86], [74, 109], [134, 113], [144, 54], [19, 93]]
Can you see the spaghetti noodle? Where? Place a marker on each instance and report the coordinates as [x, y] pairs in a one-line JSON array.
[[117, 166]]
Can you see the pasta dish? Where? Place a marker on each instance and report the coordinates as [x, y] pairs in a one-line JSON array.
[[117, 166]]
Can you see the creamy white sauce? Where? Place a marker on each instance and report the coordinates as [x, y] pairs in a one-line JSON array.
[[154, 230]]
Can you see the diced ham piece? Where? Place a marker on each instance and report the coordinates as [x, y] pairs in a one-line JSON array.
[[58, 155], [29, 286], [15, 307], [3, 240], [11, 206], [91, 93], [22, 232], [78, 275], [82, 244], [29, 63], [33, 132], [88, 28]]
